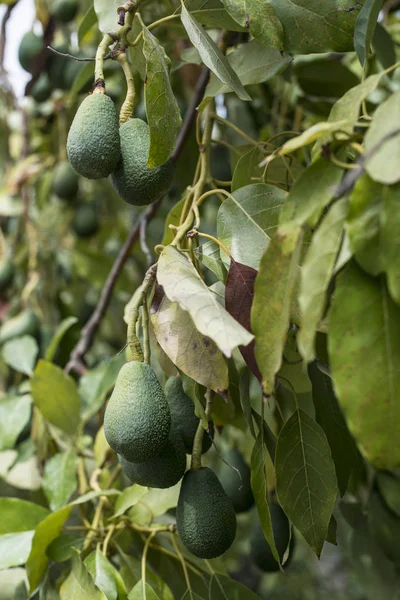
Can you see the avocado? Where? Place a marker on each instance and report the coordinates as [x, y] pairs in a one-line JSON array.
[[6, 273], [85, 222], [137, 420], [260, 550], [205, 517], [29, 49], [65, 181], [64, 10], [239, 491], [132, 179], [25, 323], [41, 91], [93, 145], [162, 471], [183, 415]]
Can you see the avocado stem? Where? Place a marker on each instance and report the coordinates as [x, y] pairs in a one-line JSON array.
[[132, 338], [195, 463], [126, 111], [99, 64]]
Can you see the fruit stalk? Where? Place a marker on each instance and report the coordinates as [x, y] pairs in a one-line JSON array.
[[99, 64], [128, 104], [198, 438], [133, 341]]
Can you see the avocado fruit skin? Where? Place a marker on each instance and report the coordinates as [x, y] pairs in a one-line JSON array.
[[239, 491], [42, 89], [29, 49], [132, 179], [93, 144], [183, 415], [85, 222], [65, 181], [162, 471], [137, 420], [7, 272], [25, 323], [260, 550], [64, 10], [205, 517]]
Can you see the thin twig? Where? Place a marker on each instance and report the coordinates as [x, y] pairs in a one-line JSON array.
[[77, 58], [77, 357]]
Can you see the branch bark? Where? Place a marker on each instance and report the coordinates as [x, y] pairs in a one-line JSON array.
[[77, 358]]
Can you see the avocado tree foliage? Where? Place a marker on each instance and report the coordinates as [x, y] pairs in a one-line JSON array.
[[264, 136]]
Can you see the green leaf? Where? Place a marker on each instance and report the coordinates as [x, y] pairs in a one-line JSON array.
[[384, 527], [129, 497], [223, 588], [80, 584], [85, 75], [311, 135], [183, 284], [348, 107], [95, 494], [273, 291], [383, 164], [365, 28], [56, 396], [213, 14], [330, 417], [260, 18], [364, 350], [247, 219], [106, 12], [89, 19], [47, 531], [61, 330], [311, 26], [389, 487], [194, 354], [260, 490], [316, 274], [15, 412], [253, 63], [332, 531], [209, 254], [20, 353], [20, 515], [211, 55], [15, 548], [311, 193], [162, 109], [103, 573], [384, 47], [138, 593], [305, 478], [59, 481], [247, 167], [97, 383], [62, 548]]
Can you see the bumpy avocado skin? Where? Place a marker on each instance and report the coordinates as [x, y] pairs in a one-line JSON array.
[[137, 420], [205, 517], [238, 491], [6, 273], [93, 145], [64, 10], [183, 416], [132, 179], [30, 47], [65, 181], [260, 550], [162, 471], [25, 323]]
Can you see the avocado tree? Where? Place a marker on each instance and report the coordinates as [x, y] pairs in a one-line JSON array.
[[200, 301]]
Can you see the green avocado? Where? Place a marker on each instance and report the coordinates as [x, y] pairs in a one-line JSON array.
[[42, 89], [183, 415], [205, 517], [162, 471], [6, 273], [137, 420], [85, 222], [93, 145], [65, 181], [238, 491], [132, 179], [25, 323], [29, 49], [260, 550], [64, 10]]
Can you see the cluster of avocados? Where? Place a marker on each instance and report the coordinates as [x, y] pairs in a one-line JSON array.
[[98, 147], [152, 430]]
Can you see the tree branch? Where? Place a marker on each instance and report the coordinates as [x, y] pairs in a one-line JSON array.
[[77, 358]]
